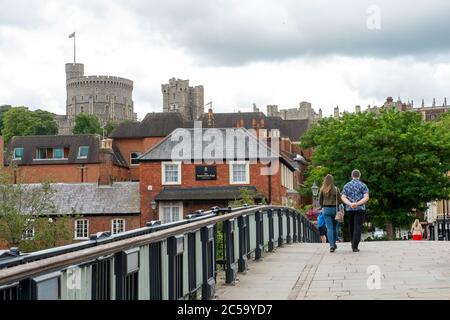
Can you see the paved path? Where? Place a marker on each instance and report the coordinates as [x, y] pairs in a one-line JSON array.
[[408, 270]]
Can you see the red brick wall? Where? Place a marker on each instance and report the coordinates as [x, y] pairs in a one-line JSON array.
[[103, 223], [150, 174], [66, 173], [97, 224], [126, 146]]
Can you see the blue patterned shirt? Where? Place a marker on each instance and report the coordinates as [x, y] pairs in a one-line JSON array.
[[354, 191]]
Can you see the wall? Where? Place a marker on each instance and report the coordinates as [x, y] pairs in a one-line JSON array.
[[150, 173], [68, 173], [128, 145], [103, 223]]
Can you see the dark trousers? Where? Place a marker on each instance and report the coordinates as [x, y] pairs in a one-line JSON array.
[[355, 222]]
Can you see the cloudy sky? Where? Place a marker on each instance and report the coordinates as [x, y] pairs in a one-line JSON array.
[[243, 51]]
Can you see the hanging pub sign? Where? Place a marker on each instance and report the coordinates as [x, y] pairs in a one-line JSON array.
[[205, 173]]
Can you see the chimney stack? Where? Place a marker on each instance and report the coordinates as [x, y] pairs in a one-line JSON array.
[[106, 156]]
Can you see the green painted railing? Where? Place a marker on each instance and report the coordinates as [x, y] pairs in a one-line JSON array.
[[170, 261]]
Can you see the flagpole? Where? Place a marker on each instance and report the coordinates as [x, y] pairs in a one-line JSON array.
[[74, 50]]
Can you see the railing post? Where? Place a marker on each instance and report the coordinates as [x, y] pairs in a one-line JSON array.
[[243, 248], [126, 268], [231, 268], [208, 262], [294, 223], [259, 233], [271, 229], [155, 266], [280, 227], [304, 229], [175, 249], [288, 226]]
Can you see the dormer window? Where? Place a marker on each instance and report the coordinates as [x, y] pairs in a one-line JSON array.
[[51, 153], [18, 154], [83, 152]]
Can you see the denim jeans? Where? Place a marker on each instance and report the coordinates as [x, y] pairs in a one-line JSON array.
[[329, 214]]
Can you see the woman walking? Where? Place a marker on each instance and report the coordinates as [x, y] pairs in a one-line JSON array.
[[329, 199], [416, 230]]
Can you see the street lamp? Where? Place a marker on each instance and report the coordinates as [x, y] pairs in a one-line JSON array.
[[315, 192]]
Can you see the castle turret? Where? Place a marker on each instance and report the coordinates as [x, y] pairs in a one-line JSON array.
[[336, 112], [74, 70], [358, 109]]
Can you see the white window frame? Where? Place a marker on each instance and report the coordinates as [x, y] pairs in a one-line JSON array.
[[14, 153], [131, 158], [163, 172], [79, 149], [76, 229], [170, 204], [247, 168], [113, 221], [32, 229]]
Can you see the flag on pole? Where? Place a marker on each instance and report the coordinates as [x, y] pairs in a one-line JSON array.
[[72, 35]]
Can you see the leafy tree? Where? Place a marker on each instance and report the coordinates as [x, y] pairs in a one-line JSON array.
[[403, 160], [45, 123], [20, 121], [110, 126], [30, 207], [87, 124], [3, 110], [246, 196]]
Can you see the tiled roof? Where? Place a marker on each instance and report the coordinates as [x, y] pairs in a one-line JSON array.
[[92, 199], [73, 142], [167, 148], [159, 124], [293, 129]]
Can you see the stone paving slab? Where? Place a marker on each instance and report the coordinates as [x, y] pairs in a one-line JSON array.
[[408, 270]]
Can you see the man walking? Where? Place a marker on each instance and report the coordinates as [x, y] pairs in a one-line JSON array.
[[355, 194]]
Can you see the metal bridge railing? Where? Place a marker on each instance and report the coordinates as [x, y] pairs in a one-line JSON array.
[[158, 262]]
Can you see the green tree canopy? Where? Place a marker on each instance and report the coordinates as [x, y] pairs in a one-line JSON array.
[[20, 121], [28, 218], [3, 110], [87, 124], [403, 160]]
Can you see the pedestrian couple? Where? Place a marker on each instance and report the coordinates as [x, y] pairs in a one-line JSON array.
[[354, 195]]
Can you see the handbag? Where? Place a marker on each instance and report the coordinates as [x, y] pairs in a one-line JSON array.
[[339, 213]]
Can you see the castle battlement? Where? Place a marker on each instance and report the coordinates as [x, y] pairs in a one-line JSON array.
[[100, 80]]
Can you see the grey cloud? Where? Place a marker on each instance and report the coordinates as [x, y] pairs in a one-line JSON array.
[[217, 32]]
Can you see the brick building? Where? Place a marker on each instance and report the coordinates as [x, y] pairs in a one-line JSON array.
[[171, 188], [65, 159], [134, 138], [93, 208]]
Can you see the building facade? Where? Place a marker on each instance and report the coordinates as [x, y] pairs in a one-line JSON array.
[[305, 111], [65, 159], [107, 97], [172, 188], [178, 96]]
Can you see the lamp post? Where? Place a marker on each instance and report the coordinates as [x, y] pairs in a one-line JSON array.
[[315, 192]]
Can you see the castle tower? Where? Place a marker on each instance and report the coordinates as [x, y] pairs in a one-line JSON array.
[[358, 109], [336, 112], [178, 96], [107, 97], [74, 70], [272, 110]]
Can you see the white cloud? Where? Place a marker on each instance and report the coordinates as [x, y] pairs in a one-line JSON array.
[[282, 52]]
